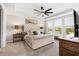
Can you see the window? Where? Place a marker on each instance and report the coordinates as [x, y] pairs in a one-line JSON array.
[[63, 26], [58, 27], [69, 31], [58, 30], [69, 26], [49, 27]]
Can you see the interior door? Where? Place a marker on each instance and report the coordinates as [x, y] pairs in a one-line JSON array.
[[0, 27]]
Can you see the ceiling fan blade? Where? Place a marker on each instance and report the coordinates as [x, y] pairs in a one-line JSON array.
[[37, 10], [46, 14], [48, 9], [42, 8], [38, 14], [49, 12], [34, 13]]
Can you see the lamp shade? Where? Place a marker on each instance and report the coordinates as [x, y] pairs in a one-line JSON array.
[[19, 27], [16, 26]]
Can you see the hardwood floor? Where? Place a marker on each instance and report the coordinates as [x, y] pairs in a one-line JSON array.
[[22, 49]]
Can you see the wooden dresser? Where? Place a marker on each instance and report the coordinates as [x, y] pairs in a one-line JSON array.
[[68, 47], [19, 36]]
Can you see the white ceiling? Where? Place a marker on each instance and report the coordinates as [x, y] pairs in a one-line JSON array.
[[26, 9]]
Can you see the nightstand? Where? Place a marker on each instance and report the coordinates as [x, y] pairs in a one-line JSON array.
[[18, 37]]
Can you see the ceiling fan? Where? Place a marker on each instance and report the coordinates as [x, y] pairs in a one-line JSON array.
[[43, 11]]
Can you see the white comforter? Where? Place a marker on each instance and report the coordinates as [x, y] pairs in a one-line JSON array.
[[42, 36], [34, 40], [37, 36]]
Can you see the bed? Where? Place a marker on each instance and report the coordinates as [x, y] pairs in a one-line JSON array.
[[37, 41]]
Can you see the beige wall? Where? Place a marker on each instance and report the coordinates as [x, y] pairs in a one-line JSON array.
[[11, 21], [15, 20]]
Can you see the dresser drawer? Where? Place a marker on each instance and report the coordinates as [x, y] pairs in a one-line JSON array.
[[70, 46], [64, 52]]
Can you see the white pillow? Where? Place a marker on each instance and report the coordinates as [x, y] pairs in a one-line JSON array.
[[38, 32]]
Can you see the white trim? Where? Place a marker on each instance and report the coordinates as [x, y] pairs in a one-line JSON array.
[[3, 27]]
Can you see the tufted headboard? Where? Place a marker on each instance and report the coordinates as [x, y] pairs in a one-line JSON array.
[[30, 28]]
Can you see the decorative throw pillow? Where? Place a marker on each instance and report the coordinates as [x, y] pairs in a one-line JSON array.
[[35, 33]]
